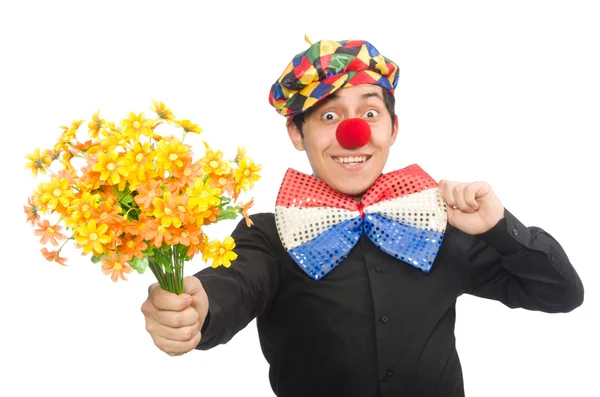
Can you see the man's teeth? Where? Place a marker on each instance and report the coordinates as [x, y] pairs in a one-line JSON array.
[[360, 159]]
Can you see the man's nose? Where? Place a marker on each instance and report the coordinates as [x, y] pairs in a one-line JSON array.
[[353, 133]]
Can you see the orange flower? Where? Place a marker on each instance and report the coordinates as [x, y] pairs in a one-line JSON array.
[[31, 211], [115, 266], [200, 247], [138, 227], [108, 213], [146, 193], [189, 234], [52, 256], [156, 234], [225, 182], [244, 212], [49, 233], [52, 155], [69, 175], [83, 146], [132, 246], [187, 173]]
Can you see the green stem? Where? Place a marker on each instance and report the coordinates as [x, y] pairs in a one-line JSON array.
[[167, 267], [179, 267], [63, 244], [157, 271]]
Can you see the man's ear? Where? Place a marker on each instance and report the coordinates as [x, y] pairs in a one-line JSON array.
[[394, 130], [295, 136]]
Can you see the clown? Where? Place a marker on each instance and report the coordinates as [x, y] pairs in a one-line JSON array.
[[353, 279]]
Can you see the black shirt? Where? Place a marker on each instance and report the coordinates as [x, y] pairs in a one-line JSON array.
[[376, 326]]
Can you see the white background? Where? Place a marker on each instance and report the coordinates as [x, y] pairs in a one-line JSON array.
[[505, 92]]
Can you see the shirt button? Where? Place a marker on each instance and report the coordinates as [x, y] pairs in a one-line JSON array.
[[377, 268], [384, 319], [515, 232], [389, 371]]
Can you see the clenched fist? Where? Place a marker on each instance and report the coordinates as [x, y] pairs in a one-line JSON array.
[[174, 321], [472, 207]]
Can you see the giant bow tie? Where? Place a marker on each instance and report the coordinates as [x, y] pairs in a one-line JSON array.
[[402, 213]]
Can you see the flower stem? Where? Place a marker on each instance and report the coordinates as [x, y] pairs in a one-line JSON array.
[[167, 267]]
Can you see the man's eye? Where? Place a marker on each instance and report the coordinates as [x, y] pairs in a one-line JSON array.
[[328, 116], [371, 113]]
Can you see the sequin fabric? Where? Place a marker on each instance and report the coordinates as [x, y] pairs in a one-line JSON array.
[[402, 213]]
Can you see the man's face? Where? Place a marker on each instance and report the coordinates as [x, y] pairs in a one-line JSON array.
[[349, 171]]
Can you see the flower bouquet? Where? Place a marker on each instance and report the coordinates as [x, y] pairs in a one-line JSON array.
[[133, 197]]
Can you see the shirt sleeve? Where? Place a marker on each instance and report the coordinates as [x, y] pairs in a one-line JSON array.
[[523, 267], [239, 293]]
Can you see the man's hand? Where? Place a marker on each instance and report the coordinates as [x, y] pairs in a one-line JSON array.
[[174, 321], [473, 207]]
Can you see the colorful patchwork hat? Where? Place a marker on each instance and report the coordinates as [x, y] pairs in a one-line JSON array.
[[325, 67]]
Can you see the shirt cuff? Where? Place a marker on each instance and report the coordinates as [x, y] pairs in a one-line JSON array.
[[508, 236]]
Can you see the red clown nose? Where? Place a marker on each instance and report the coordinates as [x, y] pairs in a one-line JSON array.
[[353, 133]]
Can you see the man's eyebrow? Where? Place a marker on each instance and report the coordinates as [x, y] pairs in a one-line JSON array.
[[335, 96], [371, 95]]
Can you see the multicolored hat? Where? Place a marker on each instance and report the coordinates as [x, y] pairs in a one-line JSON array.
[[326, 67]]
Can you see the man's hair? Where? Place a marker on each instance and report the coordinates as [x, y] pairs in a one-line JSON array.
[[388, 99]]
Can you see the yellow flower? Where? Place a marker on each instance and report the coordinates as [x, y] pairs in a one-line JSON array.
[[247, 173], [201, 198], [57, 194], [162, 111], [138, 160], [188, 126], [170, 155], [136, 125], [213, 163], [96, 125], [38, 162], [67, 136], [166, 210], [92, 237], [241, 153], [111, 166], [221, 252], [80, 209]]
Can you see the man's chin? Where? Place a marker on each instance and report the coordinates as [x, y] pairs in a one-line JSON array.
[[354, 190]]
